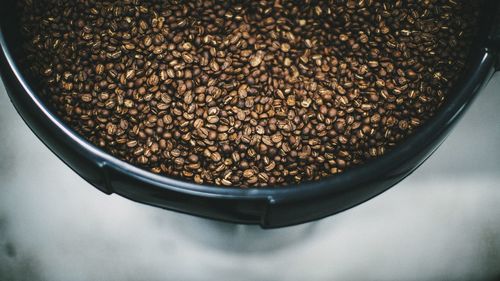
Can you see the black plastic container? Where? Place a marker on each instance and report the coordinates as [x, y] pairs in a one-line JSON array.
[[269, 207]]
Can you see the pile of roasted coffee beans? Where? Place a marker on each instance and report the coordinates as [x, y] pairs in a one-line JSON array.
[[246, 93]]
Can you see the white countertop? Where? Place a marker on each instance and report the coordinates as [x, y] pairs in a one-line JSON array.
[[442, 222]]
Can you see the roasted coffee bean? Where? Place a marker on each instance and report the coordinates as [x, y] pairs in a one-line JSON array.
[[246, 93]]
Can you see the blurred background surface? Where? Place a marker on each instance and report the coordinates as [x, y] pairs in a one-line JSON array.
[[441, 223]]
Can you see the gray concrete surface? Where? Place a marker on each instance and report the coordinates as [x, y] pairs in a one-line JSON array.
[[442, 223]]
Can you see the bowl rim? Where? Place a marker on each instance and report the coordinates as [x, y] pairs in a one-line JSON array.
[[464, 92]]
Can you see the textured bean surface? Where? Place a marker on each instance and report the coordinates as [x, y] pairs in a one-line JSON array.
[[246, 93]]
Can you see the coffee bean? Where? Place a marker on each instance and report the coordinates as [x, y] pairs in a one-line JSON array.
[[256, 60], [285, 47], [216, 157], [241, 115], [212, 119]]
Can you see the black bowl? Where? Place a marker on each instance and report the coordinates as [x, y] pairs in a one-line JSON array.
[[269, 207]]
